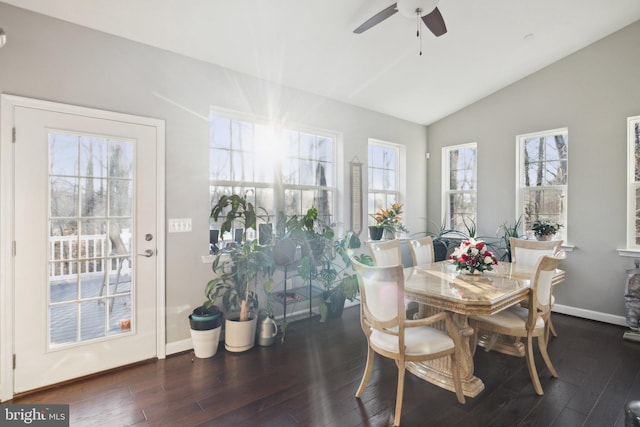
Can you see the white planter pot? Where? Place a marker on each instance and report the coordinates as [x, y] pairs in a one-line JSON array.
[[205, 343], [239, 336]]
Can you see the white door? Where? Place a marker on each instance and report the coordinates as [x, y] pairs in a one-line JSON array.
[[86, 233]]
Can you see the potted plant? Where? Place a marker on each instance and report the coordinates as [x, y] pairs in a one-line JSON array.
[[236, 270], [508, 231], [389, 220], [545, 229], [205, 322], [333, 269]]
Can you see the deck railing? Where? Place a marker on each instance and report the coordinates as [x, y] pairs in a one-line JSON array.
[[85, 254]]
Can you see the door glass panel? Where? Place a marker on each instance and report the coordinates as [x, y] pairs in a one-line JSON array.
[[90, 238]]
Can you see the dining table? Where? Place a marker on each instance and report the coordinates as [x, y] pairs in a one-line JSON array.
[[440, 287]]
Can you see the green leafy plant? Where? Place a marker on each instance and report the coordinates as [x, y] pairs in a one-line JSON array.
[[236, 272], [507, 232], [236, 268], [326, 259], [390, 219], [545, 227]]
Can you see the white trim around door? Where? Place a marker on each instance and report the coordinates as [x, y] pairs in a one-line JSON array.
[[8, 104]]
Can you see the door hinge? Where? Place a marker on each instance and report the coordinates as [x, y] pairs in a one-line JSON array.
[[14, 361], [13, 135], [13, 248]]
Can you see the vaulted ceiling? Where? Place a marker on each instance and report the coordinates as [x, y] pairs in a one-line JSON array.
[[310, 44]]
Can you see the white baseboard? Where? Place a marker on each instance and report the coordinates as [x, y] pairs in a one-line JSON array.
[[590, 314]]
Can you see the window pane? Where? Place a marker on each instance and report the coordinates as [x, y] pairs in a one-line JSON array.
[[544, 204], [247, 153], [63, 154], [120, 159], [462, 208], [375, 156], [220, 133], [382, 177], [64, 199], [220, 165], [544, 164], [460, 190], [308, 172], [93, 156], [389, 180]]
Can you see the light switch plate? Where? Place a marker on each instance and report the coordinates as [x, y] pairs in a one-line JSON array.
[[179, 225]]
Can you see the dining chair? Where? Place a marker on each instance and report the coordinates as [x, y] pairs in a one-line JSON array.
[[422, 250], [386, 253], [391, 335], [528, 252], [526, 322]]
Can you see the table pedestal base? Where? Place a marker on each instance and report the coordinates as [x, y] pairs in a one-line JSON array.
[[442, 377], [438, 372]]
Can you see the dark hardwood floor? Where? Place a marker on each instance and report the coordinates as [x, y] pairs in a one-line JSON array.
[[311, 379]]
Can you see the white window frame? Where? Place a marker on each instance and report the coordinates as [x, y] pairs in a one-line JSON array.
[[401, 177], [446, 183], [520, 188], [633, 185], [277, 185]]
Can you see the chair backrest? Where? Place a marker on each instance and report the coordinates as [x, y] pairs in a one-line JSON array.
[[528, 252], [541, 287], [381, 294], [422, 250], [386, 253]]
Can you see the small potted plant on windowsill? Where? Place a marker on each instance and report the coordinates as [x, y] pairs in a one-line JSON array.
[[388, 221], [545, 229]]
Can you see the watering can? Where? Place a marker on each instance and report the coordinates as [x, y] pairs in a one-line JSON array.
[[267, 331]]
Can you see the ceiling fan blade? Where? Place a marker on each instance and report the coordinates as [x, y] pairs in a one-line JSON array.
[[435, 23], [376, 19]]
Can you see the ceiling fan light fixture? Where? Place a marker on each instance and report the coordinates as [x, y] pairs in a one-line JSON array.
[[411, 8]]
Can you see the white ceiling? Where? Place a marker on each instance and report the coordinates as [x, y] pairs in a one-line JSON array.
[[310, 44]]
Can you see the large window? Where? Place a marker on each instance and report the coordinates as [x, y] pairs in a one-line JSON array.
[[386, 182], [459, 189], [633, 187], [280, 170], [542, 178]]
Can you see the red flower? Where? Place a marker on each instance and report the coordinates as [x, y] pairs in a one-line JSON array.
[[479, 246], [461, 260]]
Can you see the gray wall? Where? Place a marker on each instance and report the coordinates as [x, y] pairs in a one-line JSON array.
[[591, 92], [53, 60]]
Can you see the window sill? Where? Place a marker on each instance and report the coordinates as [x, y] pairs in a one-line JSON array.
[[629, 253]]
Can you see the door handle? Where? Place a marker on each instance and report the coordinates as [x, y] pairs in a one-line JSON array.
[[148, 253]]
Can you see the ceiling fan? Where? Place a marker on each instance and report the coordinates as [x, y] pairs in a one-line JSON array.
[[420, 9]]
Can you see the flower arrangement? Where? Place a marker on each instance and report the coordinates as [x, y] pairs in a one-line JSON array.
[[473, 255], [390, 219]]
